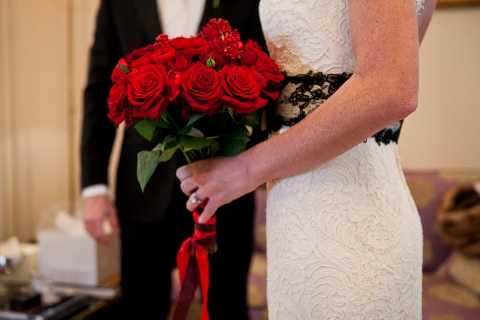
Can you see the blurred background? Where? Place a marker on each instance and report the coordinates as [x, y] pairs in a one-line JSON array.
[[43, 62]]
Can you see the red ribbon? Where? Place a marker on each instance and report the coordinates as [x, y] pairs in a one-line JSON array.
[[193, 266]]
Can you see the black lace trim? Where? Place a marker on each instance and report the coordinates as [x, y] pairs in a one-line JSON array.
[[316, 88]]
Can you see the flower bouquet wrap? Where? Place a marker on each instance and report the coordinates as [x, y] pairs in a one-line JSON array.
[[199, 96]]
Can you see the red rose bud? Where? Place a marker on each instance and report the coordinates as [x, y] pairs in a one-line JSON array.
[[210, 62], [242, 87], [162, 40], [148, 92], [202, 88]]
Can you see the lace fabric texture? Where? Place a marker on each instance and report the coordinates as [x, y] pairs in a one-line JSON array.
[[344, 239]]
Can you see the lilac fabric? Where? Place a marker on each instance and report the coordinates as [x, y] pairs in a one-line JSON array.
[[428, 189], [443, 299]]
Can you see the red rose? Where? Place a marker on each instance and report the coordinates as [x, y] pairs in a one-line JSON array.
[[117, 102], [242, 87], [148, 92], [180, 62], [152, 54], [161, 54], [137, 56], [202, 88], [189, 46], [266, 67]]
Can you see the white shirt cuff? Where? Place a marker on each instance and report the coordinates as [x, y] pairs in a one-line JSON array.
[[95, 190]]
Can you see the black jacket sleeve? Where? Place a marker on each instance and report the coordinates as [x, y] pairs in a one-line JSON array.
[[98, 132]]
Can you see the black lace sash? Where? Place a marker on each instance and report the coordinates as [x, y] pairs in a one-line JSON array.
[[303, 93]]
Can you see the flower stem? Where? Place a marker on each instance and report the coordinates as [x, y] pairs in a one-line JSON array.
[[185, 154]]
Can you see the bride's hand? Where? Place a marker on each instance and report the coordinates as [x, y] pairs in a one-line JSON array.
[[215, 182]]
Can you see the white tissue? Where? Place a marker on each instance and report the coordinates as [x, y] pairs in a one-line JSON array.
[[69, 224]]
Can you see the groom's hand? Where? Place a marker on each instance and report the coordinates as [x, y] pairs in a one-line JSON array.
[[100, 218]]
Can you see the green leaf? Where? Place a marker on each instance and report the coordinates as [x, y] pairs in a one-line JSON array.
[[146, 128], [164, 124], [170, 142], [230, 112], [167, 148], [168, 120], [193, 119], [234, 143], [194, 132], [123, 68], [168, 154], [191, 122], [147, 162], [189, 143]]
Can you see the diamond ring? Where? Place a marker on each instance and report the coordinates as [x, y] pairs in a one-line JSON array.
[[194, 198]]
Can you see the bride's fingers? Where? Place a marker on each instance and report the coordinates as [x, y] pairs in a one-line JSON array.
[[208, 212], [188, 186], [195, 200], [183, 172]]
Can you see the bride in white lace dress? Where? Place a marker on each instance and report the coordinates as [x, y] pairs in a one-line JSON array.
[[344, 239]]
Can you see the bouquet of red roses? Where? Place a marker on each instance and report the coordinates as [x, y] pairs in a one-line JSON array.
[[200, 96]]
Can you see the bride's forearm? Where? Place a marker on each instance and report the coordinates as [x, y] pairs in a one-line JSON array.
[[362, 107], [382, 90]]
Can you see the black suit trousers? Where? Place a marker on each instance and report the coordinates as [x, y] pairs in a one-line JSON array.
[[149, 255]]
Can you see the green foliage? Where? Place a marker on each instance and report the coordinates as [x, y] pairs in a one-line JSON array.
[[147, 162], [234, 143], [146, 128], [224, 133]]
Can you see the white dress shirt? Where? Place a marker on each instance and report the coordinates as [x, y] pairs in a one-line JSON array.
[[179, 18]]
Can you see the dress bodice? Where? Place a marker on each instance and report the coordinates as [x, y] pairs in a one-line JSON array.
[[310, 35], [344, 238]]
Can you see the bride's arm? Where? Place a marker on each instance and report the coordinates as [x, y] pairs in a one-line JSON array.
[[382, 90]]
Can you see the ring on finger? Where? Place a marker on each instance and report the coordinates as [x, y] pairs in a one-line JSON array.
[[194, 199]]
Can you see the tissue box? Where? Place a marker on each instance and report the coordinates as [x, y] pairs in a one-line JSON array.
[[76, 259]]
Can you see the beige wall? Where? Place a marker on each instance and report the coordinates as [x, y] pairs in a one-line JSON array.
[[43, 50], [43, 53], [445, 130], [36, 105]]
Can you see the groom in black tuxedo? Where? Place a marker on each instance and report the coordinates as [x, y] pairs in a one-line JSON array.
[[154, 223]]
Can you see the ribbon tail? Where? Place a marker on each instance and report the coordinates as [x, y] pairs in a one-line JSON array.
[[194, 269], [203, 267], [188, 269]]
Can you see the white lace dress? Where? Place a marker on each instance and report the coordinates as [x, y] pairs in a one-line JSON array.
[[344, 241]]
